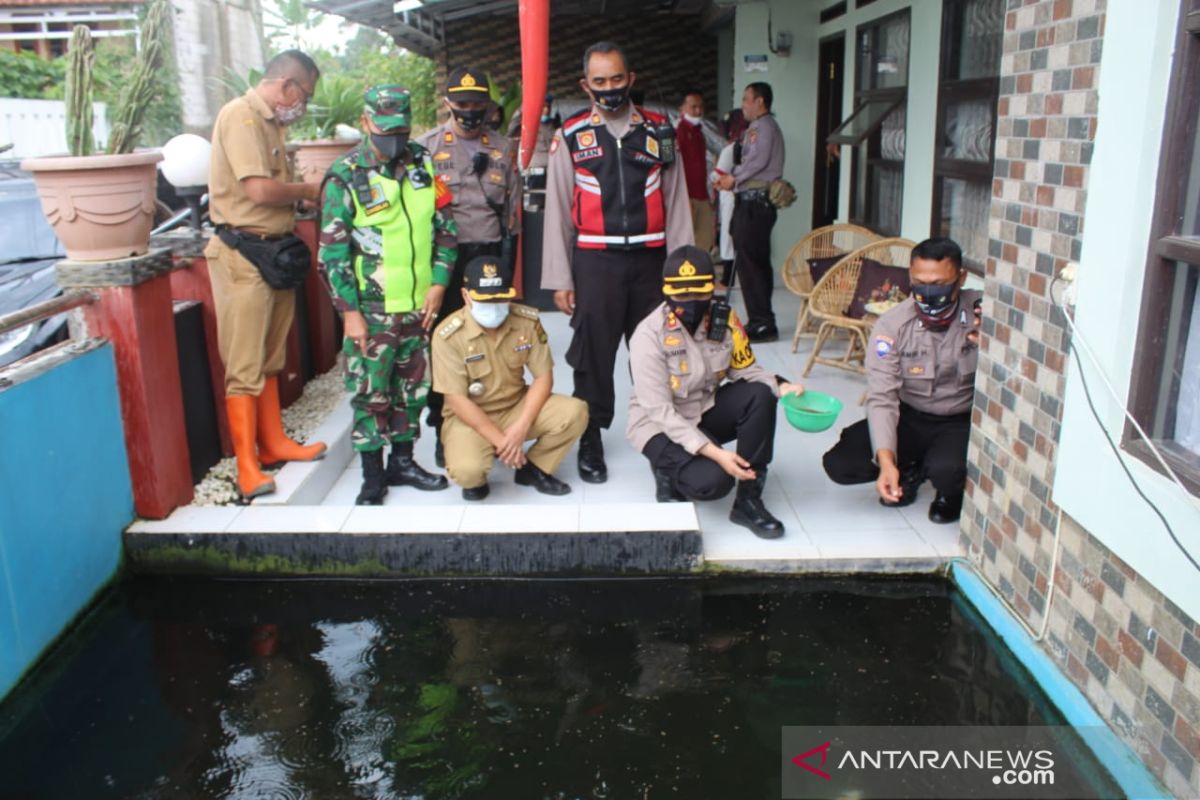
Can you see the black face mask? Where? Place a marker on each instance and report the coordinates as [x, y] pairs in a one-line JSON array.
[[936, 304], [690, 312], [468, 120], [390, 145], [610, 99]]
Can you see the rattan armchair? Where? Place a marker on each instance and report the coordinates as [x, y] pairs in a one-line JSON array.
[[832, 295], [830, 240]]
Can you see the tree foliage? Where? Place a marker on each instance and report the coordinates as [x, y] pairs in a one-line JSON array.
[[26, 75]]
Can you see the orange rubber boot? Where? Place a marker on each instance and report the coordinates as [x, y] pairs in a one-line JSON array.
[[251, 480], [274, 446]]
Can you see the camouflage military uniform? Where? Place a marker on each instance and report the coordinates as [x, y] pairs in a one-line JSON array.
[[390, 383]]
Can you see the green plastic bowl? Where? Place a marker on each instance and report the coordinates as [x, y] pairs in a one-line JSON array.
[[812, 411]]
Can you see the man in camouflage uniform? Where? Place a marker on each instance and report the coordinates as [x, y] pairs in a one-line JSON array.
[[479, 167], [386, 248]]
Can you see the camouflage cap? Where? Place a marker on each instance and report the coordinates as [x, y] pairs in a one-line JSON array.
[[488, 281], [687, 270], [388, 106]]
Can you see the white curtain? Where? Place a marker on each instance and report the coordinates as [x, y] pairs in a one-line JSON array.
[[1187, 412]]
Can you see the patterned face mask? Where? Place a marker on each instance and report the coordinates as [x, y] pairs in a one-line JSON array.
[[936, 303], [610, 99], [289, 114], [490, 315]]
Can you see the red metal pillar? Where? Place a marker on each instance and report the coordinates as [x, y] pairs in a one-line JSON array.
[[134, 311], [322, 319]]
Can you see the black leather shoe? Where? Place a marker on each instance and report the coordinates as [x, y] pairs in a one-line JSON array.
[[763, 333], [944, 509], [664, 488], [374, 486], [439, 455], [910, 484], [476, 492], [530, 475], [748, 509], [402, 470], [591, 456]]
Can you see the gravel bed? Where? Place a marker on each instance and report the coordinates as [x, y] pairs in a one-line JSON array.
[[320, 397]]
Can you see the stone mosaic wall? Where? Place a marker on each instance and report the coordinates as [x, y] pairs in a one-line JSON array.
[[1134, 654]]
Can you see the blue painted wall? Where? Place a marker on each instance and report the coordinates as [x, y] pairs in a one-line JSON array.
[[65, 498]]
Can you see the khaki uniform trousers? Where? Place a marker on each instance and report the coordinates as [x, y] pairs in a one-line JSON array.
[[558, 425], [704, 224], [252, 320]]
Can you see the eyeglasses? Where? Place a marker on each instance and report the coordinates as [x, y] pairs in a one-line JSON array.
[[308, 96]]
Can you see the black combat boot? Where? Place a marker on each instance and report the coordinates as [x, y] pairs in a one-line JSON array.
[[402, 470], [532, 475], [664, 488], [591, 456], [439, 454], [374, 486], [945, 509], [475, 493], [910, 482], [749, 511]]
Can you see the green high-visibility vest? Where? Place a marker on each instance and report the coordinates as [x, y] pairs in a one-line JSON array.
[[394, 233]]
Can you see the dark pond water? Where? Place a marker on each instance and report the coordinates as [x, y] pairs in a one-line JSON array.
[[488, 689]]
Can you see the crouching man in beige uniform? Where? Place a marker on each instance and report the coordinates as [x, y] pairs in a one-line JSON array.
[[920, 386], [697, 385], [480, 354]]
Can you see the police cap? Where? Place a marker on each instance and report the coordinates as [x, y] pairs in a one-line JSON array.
[[466, 84], [688, 269], [488, 281]]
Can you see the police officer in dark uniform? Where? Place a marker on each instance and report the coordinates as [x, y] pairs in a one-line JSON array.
[[696, 385], [616, 203], [479, 168], [920, 385]]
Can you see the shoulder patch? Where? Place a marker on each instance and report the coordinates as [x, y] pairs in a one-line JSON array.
[[522, 310], [883, 346], [450, 326]]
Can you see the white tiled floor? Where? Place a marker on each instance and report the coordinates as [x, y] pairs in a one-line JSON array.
[[823, 520]]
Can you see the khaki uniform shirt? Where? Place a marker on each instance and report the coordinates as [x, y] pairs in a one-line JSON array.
[[762, 154], [247, 142], [907, 363], [558, 239], [676, 375], [465, 354], [453, 159]]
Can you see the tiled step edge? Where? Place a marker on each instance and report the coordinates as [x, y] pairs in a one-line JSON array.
[[307, 483]]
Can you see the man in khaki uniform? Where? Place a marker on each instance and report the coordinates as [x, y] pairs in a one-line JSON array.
[[251, 191], [697, 385], [920, 385], [480, 354], [479, 168]]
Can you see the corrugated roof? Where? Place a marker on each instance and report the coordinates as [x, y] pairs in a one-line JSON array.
[[60, 4]]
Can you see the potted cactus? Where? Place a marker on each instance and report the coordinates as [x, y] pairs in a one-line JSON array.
[[102, 205]]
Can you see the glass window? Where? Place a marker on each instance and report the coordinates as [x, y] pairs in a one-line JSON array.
[[1165, 387], [876, 128], [968, 92]]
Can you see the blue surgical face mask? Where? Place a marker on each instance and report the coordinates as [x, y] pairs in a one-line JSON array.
[[490, 315]]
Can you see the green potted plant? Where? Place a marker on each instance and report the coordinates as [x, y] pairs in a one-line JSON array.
[[101, 206], [337, 101]]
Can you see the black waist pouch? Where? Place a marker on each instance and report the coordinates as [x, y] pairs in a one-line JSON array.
[[282, 262]]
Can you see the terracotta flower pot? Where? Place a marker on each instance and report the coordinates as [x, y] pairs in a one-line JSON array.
[[101, 207], [313, 158]]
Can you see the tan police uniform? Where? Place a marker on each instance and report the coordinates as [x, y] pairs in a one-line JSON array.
[[490, 370], [920, 386], [252, 318]]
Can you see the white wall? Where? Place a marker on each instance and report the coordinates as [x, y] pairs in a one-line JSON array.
[[211, 35], [39, 127], [793, 80], [1089, 484]]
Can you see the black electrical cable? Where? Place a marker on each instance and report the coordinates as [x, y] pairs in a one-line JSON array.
[[1112, 445]]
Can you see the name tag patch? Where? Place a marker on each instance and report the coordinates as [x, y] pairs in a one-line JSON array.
[[585, 155], [476, 357]]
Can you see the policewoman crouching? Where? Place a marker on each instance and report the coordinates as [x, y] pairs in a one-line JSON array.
[[696, 386], [387, 247], [480, 354]]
